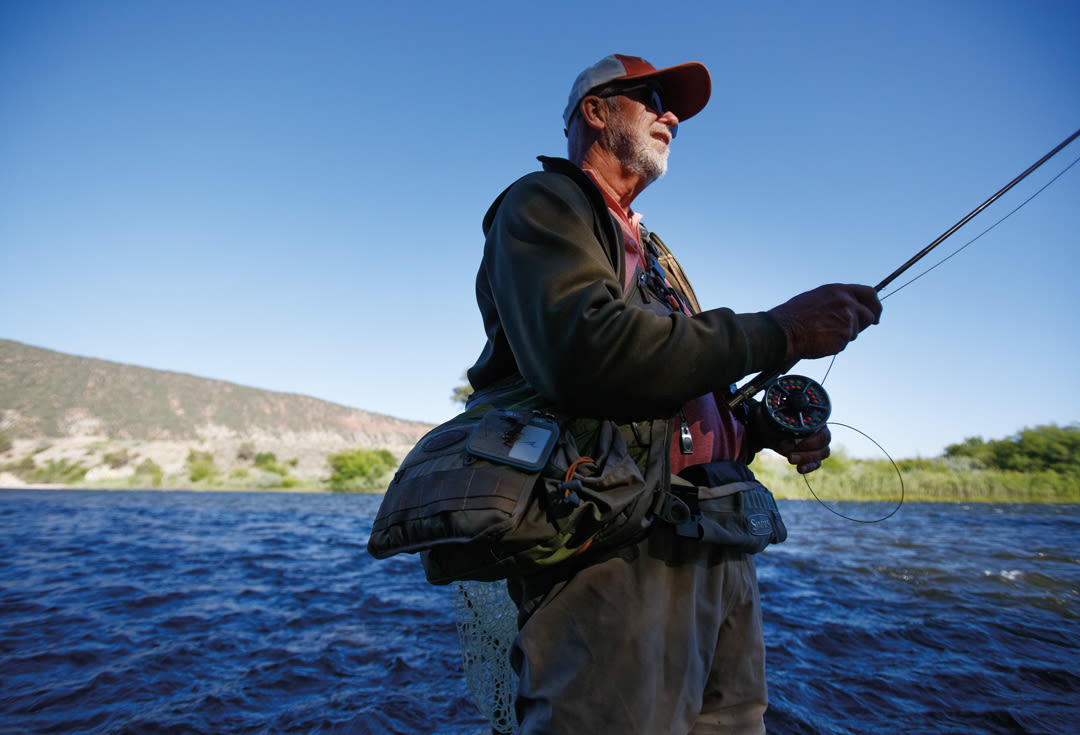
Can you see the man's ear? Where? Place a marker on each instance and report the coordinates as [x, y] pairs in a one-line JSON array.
[[594, 112]]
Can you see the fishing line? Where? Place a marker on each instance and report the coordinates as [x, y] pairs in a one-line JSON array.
[[828, 370], [829, 508], [832, 510], [895, 290], [769, 377], [800, 406], [972, 240]]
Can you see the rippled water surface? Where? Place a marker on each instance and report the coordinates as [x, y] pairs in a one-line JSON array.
[[129, 612]]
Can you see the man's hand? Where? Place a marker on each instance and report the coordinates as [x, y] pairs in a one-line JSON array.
[[806, 452], [822, 322]]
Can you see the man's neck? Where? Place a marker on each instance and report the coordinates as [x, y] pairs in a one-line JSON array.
[[623, 185]]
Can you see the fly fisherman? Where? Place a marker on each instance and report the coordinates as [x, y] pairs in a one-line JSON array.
[[665, 635]]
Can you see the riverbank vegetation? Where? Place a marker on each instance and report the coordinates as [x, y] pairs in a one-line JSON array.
[[1036, 465], [128, 464], [1041, 464]]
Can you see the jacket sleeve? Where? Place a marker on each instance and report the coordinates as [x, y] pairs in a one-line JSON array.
[[573, 336]]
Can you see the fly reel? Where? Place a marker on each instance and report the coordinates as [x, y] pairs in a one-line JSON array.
[[797, 404]]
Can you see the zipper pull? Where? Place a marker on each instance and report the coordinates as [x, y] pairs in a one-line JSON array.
[[686, 439]]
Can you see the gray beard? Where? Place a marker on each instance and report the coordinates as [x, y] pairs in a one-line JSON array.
[[637, 155]]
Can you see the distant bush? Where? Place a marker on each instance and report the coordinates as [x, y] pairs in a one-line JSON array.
[[274, 473], [5, 442], [201, 466], [246, 452], [461, 393], [921, 464], [360, 469], [117, 460], [23, 469], [60, 471], [147, 472]]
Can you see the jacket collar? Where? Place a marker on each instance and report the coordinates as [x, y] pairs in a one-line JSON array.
[[610, 236]]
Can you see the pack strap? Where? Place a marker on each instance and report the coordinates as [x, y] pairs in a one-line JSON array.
[[670, 267]]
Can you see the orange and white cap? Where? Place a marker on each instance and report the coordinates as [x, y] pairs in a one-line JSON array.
[[685, 88]]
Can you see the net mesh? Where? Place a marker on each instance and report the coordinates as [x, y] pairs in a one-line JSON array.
[[487, 624]]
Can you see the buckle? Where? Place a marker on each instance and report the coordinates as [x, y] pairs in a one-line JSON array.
[[674, 510]]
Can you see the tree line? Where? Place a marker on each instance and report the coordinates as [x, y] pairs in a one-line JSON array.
[[1048, 448]]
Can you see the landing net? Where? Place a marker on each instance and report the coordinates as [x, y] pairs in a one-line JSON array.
[[487, 624]]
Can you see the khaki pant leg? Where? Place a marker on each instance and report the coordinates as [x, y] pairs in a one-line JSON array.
[[736, 694], [632, 644]]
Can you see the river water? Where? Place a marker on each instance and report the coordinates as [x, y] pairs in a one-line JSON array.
[[182, 612]]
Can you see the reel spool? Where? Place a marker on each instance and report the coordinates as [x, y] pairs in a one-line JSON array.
[[797, 404]]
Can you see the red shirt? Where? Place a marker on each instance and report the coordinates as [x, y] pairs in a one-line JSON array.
[[716, 433]]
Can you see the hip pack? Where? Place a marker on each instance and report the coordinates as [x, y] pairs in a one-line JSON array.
[[726, 505], [508, 488]]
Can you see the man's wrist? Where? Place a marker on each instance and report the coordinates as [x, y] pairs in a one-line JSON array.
[[748, 414]]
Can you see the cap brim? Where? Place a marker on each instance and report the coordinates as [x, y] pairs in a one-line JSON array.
[[686, 87]]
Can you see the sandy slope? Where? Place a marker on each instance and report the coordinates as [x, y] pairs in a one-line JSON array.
[[310, 451]]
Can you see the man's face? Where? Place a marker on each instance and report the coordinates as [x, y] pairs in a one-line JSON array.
[[640, 138]]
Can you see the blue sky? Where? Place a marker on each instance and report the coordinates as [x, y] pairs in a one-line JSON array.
[[289, 195]]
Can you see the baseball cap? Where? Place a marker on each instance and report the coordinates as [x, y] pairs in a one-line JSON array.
[[685, 88]]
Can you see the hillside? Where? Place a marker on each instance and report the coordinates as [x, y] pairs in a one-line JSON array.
[[56, 407]]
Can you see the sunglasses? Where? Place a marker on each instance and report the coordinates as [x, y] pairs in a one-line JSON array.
[[645, 94]]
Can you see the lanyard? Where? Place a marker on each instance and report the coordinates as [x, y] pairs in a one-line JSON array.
[[653, 278]]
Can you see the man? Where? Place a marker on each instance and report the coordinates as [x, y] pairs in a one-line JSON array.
[[663, 636]]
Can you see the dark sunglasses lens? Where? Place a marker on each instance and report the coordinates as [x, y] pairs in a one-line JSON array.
[[658, 108], [655, 103]]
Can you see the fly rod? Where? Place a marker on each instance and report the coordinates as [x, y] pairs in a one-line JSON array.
[[800, 405], [923, 253]]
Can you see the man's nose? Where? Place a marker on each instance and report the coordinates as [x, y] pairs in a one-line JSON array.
[[669, 119]]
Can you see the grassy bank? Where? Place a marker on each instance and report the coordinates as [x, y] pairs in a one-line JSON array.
[[1040, 465], [855, 480], [937, 480]]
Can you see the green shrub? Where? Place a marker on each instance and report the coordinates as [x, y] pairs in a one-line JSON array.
[[201, 466], [147, 471], [5, 442], [359, 469], [60, 472], [1043, 448], [117, 460], [266, 461], [23, 469]]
